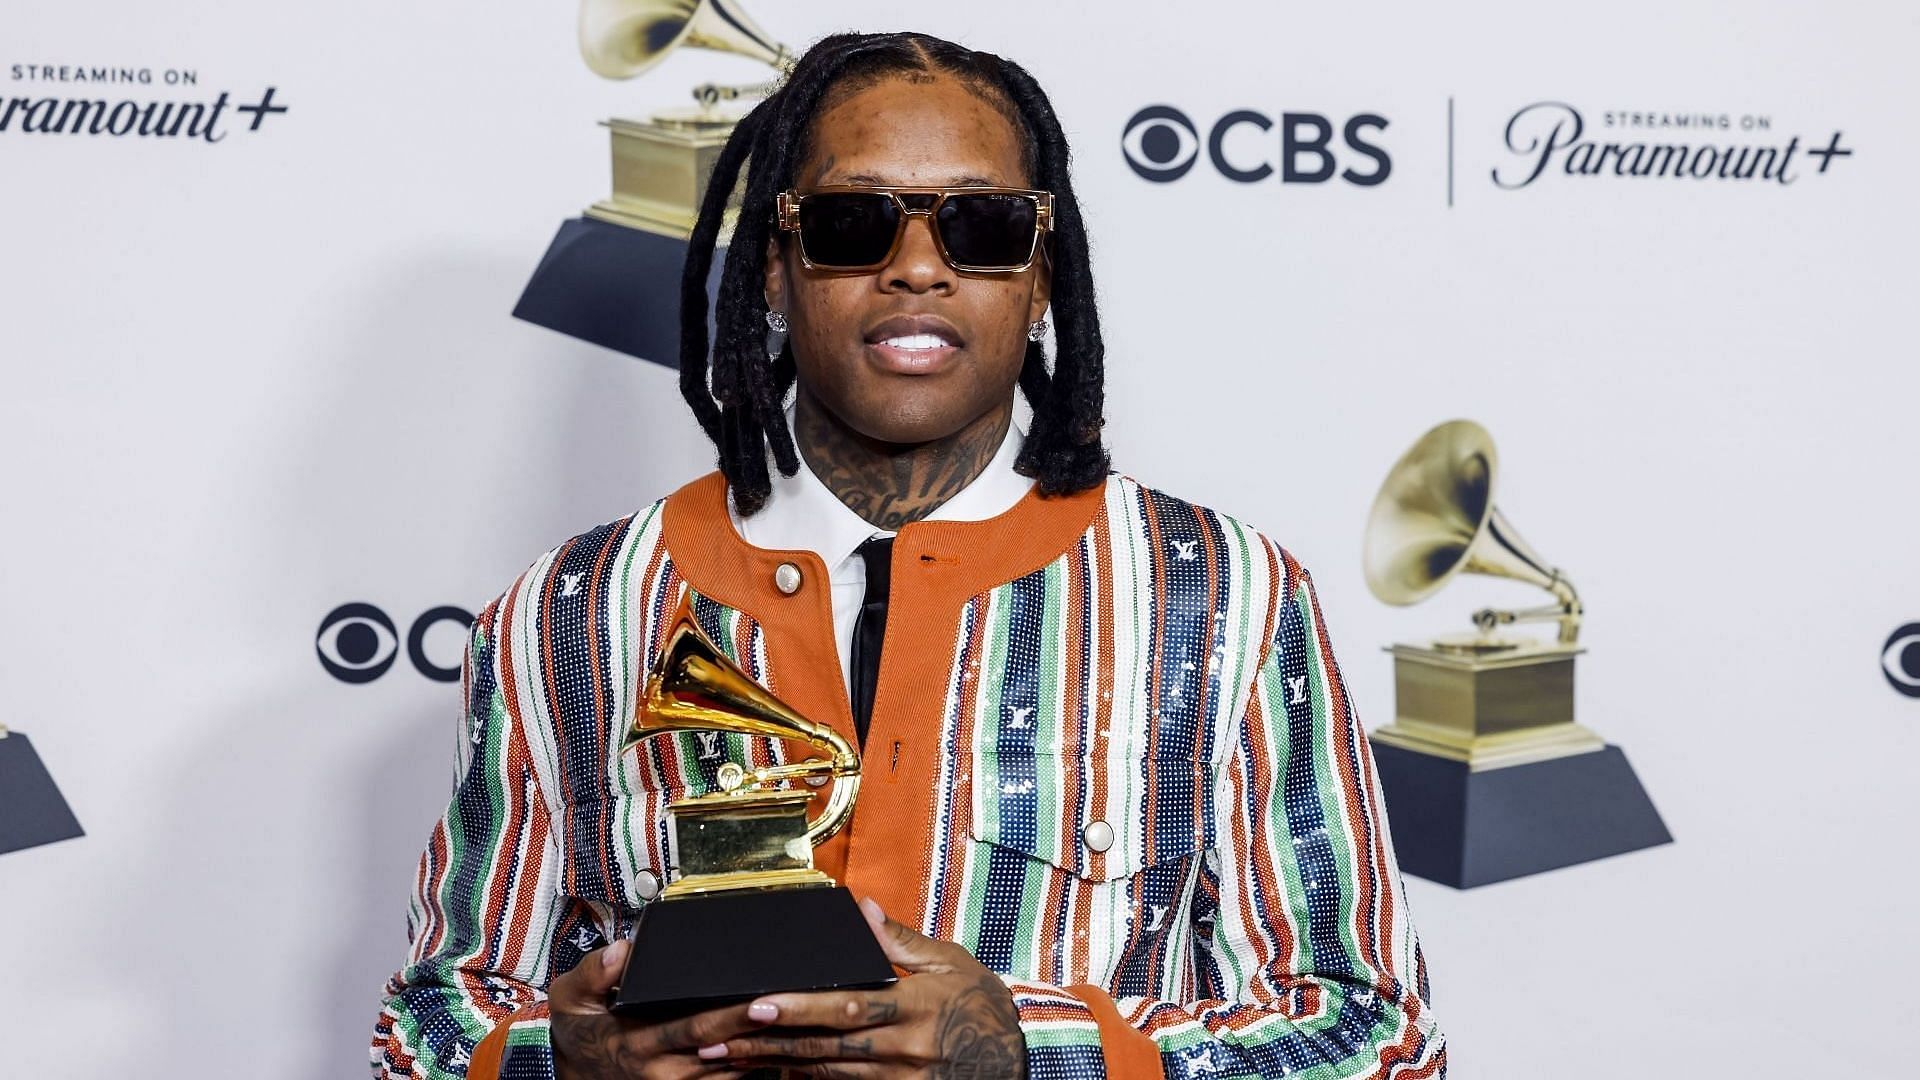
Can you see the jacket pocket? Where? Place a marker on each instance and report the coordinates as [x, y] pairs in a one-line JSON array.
[[615, 850], [1099, 818], [1082, 870]]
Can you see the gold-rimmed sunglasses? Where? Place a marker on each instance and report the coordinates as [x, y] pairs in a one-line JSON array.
[[976, 229]]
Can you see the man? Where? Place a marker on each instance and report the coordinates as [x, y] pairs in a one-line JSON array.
[[1117, 817]]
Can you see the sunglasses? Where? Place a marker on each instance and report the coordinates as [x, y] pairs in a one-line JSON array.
[[982, 229]]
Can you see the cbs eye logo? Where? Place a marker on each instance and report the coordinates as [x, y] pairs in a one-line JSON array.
[[357, 643], [1900, 660], [1162, 145]]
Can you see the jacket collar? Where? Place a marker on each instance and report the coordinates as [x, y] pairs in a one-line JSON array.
[[971, 556]]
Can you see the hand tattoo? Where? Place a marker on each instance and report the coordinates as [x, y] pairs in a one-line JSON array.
[[590, 1047], [979, 1035]]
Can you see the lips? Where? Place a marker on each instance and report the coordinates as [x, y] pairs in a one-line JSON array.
[[913, 344]]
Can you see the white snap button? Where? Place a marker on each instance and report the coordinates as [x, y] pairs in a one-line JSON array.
[[786, 578], [646, 883], [1098, 835]]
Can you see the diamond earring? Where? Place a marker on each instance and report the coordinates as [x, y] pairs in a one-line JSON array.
[[776, 333], [1036, 329]]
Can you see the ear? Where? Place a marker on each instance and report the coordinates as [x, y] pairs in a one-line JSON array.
[[1042, 283], [775, 274]]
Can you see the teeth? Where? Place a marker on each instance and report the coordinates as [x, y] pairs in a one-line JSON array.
[[916, 341]]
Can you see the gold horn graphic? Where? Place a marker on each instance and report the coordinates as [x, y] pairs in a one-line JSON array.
[[1435, 517], [661, 164], [622, 38], [693, 686], [1488, 700]]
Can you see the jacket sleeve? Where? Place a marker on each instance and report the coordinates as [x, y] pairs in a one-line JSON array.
[[485, 911], [1306, 960]]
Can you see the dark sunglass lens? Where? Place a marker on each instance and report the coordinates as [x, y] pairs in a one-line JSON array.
[[988, 230], [847, 228]]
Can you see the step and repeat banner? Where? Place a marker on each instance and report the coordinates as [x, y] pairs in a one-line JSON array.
[[272, 432]]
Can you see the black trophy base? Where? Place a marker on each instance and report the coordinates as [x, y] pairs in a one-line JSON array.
[[614, 286], [32, 810], [702, 952], [1465, 828]]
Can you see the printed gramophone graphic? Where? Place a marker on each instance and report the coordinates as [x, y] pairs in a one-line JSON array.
[[612, 275], [1487, 774], [745, 912], [32, 810]]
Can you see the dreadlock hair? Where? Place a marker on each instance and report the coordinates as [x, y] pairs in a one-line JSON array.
[[737, 395]]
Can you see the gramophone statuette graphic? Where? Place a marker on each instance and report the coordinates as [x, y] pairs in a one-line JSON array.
[[612, 275], [661, 164], [745, 912], [1488, 775]]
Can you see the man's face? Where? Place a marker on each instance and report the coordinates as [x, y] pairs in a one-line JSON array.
[[935, 133]]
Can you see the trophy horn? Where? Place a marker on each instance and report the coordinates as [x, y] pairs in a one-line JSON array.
[[622, 38], [693, 686], [1435, 517]]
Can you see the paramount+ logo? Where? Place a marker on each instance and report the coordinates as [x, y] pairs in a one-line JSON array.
[[358, 643], [1162, 144], [110, 101]]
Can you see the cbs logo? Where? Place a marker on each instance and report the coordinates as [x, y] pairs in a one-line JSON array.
[[1162, 145], [357, 643], [1900, 660]]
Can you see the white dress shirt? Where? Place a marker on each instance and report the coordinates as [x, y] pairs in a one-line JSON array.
[[803, 514]]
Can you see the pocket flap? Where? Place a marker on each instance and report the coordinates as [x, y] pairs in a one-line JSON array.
[[1099, 818]]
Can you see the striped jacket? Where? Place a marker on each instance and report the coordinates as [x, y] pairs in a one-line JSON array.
[[1111, 754]]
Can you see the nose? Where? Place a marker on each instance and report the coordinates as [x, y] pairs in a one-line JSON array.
[[917, 266]]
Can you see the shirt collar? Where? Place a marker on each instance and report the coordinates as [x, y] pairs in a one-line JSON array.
[[802, 514]]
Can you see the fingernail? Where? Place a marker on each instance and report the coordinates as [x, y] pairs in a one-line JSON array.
[[608, 959], [717, 1050], [763, 1011], [874, 912]]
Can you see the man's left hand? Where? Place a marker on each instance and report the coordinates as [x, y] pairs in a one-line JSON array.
[[951, 1018]]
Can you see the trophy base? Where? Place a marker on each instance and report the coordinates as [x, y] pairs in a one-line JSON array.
[[32, 810], [708, 950], [613, 286], [1463, 827]]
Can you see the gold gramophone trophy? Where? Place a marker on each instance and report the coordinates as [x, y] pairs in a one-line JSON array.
[[1487, 773], [661, 164], [745, 912], [612, 275]]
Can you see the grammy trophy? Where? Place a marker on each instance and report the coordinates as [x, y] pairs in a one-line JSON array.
[[1488, 776], [745, 912]]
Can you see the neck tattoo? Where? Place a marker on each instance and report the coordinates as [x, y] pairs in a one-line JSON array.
[[890, 485]]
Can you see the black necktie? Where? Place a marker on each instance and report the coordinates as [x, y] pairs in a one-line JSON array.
[[870, 630]]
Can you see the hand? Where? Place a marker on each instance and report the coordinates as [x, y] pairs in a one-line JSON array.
[[950, 1018], [590, 1043]]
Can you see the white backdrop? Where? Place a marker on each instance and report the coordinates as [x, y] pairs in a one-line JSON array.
[[251, 380]]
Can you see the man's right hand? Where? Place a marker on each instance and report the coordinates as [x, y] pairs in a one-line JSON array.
[[590, 1043]]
